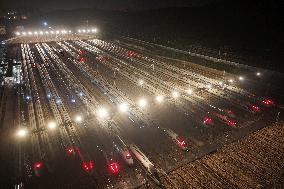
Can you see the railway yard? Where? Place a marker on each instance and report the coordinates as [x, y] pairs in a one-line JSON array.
[[97, 113], [253, 162]]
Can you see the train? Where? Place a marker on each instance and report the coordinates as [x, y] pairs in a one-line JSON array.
[[147, 164], [177, 139], [122, 149]]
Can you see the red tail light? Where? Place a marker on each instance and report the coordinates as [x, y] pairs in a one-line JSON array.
[[181, 142], [70, 151], [255, 108], [38, 165], [207, 120], [267, 102], [114, 168], [88, 166], [131, 54], [83, 59], [232, 123]]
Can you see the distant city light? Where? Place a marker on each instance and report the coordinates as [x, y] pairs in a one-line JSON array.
[[258, 73], [45, 23], [241, 78]]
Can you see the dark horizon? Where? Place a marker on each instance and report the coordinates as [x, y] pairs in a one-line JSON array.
[[105, 5]]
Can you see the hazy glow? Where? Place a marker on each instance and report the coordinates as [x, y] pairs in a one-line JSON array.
[[140, 82], [22, 132], [52, 125], [175, 94], [78, 119], [102, 113], [209, 86], [189, 91], [142, 102], [159, 98], [123, 107]]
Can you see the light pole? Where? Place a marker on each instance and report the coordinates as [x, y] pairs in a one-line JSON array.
[[277, 117], [153, 67]]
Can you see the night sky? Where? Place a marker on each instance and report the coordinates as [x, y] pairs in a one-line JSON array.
[[102, 4]]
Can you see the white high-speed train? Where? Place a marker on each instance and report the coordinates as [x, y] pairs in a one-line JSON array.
[[152, 171]]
